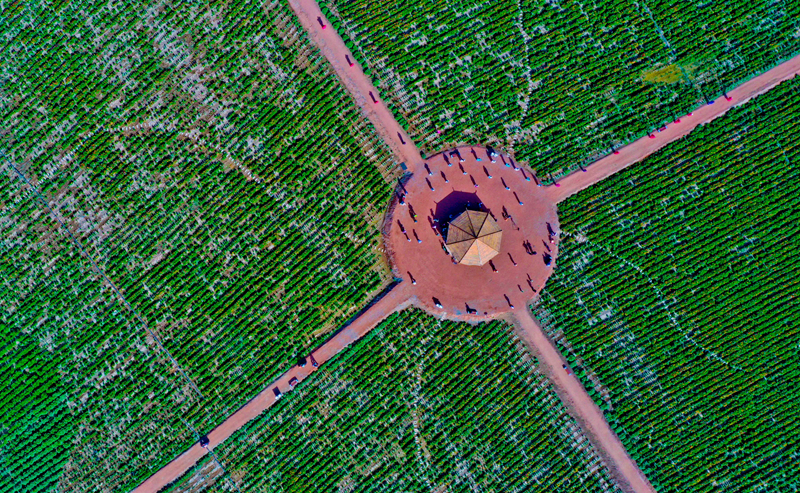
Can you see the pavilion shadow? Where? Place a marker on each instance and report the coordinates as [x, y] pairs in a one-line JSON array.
[[454, 204]]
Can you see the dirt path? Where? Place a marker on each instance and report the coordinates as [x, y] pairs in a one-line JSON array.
[[332, 46], [359, 85], [395, 300], [640, 149], [576, 400], [578, 403]]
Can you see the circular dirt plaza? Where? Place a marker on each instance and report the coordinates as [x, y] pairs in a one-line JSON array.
[[473, 237]]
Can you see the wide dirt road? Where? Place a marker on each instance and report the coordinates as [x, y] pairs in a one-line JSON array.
[[640, 149], [580, 406], [394, 300], [332, 46]]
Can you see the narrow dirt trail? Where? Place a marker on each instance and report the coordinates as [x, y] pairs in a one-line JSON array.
[[640, 149], [578, 403], [395, 300], [333, 48]]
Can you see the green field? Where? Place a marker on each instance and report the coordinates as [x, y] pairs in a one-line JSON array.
[[190, 200], [676, 296], [210, 163], [417, 405], [87, 399], [557, 83]]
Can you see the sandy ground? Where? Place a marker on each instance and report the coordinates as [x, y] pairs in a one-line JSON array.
[[333, 48], [513, 277], [394, 300], [640, 149], [580, 406]]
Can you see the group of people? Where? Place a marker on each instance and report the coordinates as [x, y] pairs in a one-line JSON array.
[[435, 225]]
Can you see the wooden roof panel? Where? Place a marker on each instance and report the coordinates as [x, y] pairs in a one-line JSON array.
[[456, 234], [459, 249], [473, 238]]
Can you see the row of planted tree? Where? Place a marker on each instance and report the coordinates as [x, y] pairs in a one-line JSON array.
[[559, 84], [674, 298], [232, 195], [416, 404]]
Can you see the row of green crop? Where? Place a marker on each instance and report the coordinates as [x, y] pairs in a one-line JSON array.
[[358, 56], [208, 160], [675, 289], [419, 404], [77, 368], [557, 83]]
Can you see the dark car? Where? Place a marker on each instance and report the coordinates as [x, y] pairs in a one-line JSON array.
[[313, 361], [301, 362], [204, 441], [277, 393]]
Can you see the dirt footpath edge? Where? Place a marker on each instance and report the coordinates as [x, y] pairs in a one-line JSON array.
[[621, 466]]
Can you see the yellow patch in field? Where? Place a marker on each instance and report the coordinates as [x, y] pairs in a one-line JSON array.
[[669, 74]]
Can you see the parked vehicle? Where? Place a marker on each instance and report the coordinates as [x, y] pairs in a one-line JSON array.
[[293, 381], [277, 393]]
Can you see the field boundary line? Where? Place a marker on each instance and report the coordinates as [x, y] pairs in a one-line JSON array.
[[643, 147], [580, 405], [356, 82], [396, 299], [103, 274], [661, 300]]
